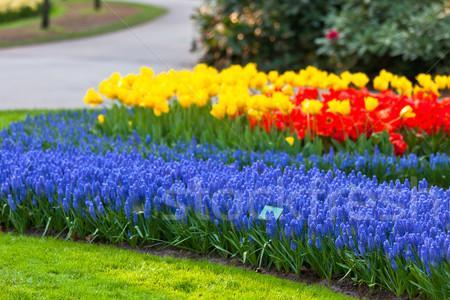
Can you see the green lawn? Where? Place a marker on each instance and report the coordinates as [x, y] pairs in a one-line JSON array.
[[8, 116], [69, 20], [35, 268]]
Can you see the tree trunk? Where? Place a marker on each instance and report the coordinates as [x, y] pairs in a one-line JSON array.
[[97, 4], [45, 14]]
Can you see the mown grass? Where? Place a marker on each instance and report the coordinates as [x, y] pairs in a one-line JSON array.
[[9, 116], [145, 13], [55, 11], [46, 268]]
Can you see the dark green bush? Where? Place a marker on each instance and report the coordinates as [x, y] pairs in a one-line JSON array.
[[273, 34], [15, 15], [404, 36]]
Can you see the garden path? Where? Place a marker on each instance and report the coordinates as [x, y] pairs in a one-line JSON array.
[[56, 75]]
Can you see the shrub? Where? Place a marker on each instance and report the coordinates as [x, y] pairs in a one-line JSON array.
[[11, 10], [403, 36], [274, 35]]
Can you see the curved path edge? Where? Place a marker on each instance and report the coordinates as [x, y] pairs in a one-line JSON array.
[[56, 75]]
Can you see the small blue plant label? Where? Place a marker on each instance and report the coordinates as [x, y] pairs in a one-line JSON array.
[[270, 209]]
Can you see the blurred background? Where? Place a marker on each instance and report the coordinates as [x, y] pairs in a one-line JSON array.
[[404, 36], [45, 66]]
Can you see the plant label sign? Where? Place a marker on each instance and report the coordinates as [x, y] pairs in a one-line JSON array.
[[270, 209]]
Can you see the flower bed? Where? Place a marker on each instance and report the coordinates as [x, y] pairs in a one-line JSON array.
[[11, 10], [60, 174], [52, 131], [312, 108]]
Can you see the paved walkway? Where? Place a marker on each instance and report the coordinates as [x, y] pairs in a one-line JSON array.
[[57, 75]]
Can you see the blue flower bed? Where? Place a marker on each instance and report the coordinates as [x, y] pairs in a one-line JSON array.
[[74, 130], [61, 177]]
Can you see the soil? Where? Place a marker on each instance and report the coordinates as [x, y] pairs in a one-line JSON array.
[[81, 18]]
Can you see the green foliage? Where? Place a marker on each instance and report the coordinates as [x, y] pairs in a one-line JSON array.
[[33, 268], [9, 116], [183, 125], [25, 12], [197, 123], [405, 36], [273, 34]]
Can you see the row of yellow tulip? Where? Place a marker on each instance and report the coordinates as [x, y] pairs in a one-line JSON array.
[[244, 89]]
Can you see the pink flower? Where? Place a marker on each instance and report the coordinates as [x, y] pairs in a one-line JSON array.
[[332, 35]]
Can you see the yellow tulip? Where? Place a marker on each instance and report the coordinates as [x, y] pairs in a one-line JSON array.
[[268, 89], [255, 114], [282, 102], [441, 81], [201, 98], [101, 118], [380, 83], [108, 89], [402, 85], [339, 107], [232, 110], [346, 76], [245, 89], [273, 76], [290, 140], [259, 80], [288, 90], [147, 72], [371, 103], [385, 75], [92, 98], [218, 111], [359, 79], [407, 112], [185, 100], [157, 112], [311, 107]]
